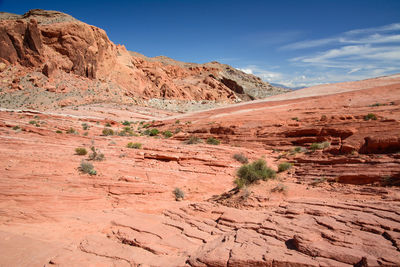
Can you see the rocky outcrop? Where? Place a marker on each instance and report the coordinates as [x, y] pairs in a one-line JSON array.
[[63, 48]]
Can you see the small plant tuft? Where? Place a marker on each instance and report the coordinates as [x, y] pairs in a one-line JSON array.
[[71, 131], [108, 131], [154, 132], [126, 123], [85, 126], [241, 158], [167, 134], [81, 151], [179, 194], [284, 166], [107, 124], [370, 116], [96, 155], [213, 141], [250, 173], [58, 131], [16, 128], [87, 167], [193, 140], [134, 145], [318, 146]]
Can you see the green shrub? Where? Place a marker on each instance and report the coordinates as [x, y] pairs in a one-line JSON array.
[[87, 167], [295, 118], [126, 123], [85, 134], [85, 126], [134, 145], [96, 154], [108, 124], [167, 134], [370, 116], [71, 131], [193, 140], [108, 131], [80, 151], [154, 132], [177, 130], [147, 125], [32, 122], [241, 158], [177, 121], [249, 173], [179, 194], [126, 131], [58, 131], [16, 128], [284, 166], [318, 146], [213, 141]]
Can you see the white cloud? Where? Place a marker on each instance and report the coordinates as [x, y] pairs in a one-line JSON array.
[[359, 36], [353, 55]]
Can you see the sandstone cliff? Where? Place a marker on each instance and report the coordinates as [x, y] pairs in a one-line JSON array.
[[41, 48]]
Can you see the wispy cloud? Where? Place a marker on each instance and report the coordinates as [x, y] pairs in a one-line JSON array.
[[358, 36], [353, 55]]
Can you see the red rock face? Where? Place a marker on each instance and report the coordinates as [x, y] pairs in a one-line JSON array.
[[63, 48]]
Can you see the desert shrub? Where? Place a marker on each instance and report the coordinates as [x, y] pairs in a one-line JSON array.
[[87, 167], [85, 126], [147, 125], [213, 141], [96, 154], [317, 146], [80, 151], [370, 116], [249, 173], [193, 140], [85, 134], [58, 131], [177, 130], [177, 121], [284, 166], [179, 194], [126, 131], [108, 131], [241, 158], [32, 122], [295, 118], [134, 145], [299, 149], [154, 132], [72, 131], [281, 188], [167, 134], [16, 128], [108, 124], [126, 123]]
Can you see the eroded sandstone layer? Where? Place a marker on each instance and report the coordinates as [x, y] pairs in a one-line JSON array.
[[339, 205]]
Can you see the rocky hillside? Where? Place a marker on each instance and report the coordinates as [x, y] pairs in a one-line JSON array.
[[49, 59]]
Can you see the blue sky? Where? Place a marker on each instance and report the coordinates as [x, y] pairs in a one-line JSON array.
[[295, 43]]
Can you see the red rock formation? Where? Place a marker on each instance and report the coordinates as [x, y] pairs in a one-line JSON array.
[[48, 41]]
